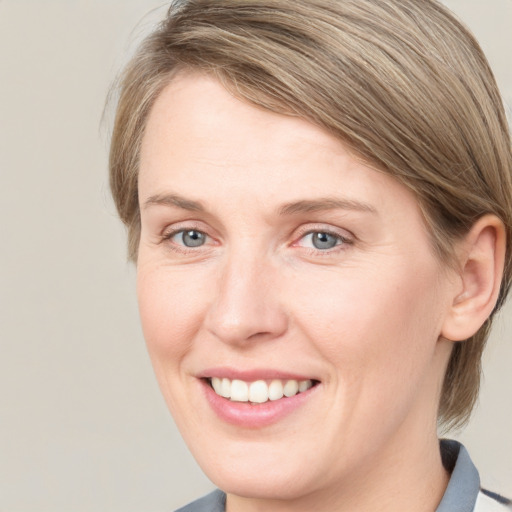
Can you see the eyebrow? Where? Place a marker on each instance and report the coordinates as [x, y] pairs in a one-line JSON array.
[[326, 203], [292, 208], [174, 200]]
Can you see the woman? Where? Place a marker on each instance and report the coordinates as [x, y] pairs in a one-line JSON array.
[[319, 201]]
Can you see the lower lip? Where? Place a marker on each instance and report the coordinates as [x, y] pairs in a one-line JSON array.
[[249, 415]]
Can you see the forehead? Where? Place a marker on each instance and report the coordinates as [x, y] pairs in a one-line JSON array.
[[205, 110], [204, 144]]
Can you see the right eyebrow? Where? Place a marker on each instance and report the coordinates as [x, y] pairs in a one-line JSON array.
[[174, 200]]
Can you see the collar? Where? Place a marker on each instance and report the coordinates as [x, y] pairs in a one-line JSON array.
[[464, 484]]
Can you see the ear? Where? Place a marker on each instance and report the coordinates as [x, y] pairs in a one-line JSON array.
[[481, 260]]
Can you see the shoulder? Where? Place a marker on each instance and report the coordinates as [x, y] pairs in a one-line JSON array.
[[490, 502], [213, 502]]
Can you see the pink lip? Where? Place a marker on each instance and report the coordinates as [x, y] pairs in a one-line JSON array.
[[247, 415], [250, 375]]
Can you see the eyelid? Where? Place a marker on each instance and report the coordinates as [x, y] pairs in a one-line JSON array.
[[324, 228], [345, 236], [345, 239], [172, 230]]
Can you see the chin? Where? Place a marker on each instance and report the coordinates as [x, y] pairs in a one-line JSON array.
[[255, 470], [273, 484]]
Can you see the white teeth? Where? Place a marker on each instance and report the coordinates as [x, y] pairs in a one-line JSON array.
[[239, 391], [291, 388], [225, 388], [304, 385], [217, 385], [259, 391], [275, 390]]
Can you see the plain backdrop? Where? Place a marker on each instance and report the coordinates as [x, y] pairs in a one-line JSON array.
[[82, 425]]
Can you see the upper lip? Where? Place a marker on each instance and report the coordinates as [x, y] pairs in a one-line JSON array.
[[251, 375]]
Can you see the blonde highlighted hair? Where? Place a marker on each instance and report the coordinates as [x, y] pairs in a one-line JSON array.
[[401, 82]]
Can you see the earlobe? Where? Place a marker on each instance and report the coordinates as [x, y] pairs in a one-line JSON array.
[[482, 256]]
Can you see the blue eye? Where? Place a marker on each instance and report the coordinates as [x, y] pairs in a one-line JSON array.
[[189, 238], [322, 240]]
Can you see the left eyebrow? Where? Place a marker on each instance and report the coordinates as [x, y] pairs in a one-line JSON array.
[[326, 203]]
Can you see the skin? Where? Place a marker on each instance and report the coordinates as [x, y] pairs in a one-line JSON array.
[[364, 318]]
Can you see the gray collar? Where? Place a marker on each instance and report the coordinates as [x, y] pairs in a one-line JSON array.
[[213, 502], [464, 485]]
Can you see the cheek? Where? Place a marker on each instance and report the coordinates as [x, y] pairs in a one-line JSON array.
[[171, 308], [377, 327]]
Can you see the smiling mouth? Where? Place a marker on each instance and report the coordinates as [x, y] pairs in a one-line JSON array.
[[259, 391]]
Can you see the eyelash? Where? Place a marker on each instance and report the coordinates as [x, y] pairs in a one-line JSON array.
[[341, 245], [167, 237], [342, 241]]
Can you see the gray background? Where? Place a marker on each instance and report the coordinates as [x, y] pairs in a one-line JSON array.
[[82, 423]]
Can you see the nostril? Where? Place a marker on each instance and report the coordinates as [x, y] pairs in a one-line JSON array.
[[256, 327]]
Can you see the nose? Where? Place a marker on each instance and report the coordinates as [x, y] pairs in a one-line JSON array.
[[246, 306]]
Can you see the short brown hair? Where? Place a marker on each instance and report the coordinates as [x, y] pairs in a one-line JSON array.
[[401, 82]]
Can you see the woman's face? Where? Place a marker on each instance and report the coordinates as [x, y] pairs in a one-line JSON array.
[[271, 259]]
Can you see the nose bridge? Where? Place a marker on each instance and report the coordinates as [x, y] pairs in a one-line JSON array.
[[246, 304]]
